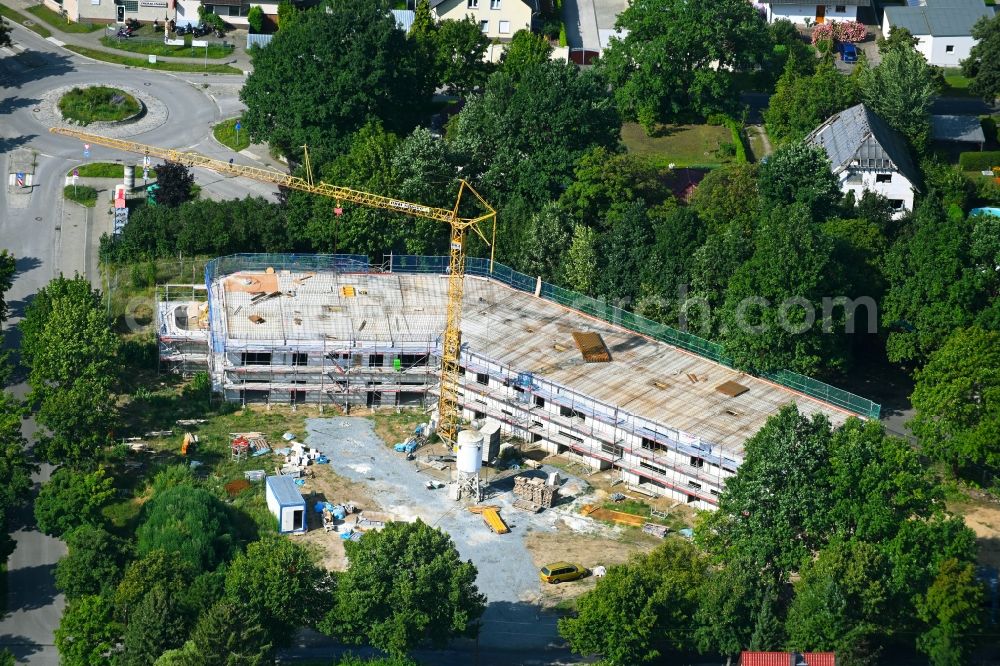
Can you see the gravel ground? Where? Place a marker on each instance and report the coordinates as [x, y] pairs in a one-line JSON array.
[[507, 575]]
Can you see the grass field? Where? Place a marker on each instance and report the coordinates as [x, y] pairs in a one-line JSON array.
[[105, 170], [956, 85], [83, 195], [158, 48], [61, 24], [681, 145], [225, 133], [20, 18], [98, 103], [142, 63]]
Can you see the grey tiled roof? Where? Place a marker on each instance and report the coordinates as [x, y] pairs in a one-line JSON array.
[[946, 18], [856, 136]]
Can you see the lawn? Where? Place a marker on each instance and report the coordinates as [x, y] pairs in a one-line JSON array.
[[142, 63], [61, 24], [98, 103], [158, 48], [680, 145], [225, 133], [956, 85], [83, 195], [19, 18], [105, 170]]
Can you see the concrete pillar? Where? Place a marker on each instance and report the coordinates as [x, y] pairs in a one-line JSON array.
[[129, 176]]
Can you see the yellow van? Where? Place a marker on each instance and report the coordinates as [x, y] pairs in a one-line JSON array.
[[557, 572]]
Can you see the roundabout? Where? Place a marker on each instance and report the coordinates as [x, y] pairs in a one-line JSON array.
[[119, 111]]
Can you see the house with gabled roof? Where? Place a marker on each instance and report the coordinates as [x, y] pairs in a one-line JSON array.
[[868, 156], [943, 28], [498, 19]]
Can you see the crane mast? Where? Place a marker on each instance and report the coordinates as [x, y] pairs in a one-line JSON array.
[[451, 343]]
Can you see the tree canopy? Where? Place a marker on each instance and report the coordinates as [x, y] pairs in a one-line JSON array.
[[405, 585], [983, 63], [174, 182], [323, 77], [957, 400], [801, 102], [676, 59], [72, 498], [190, 524]]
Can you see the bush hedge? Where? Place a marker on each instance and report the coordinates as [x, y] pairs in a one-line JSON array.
[[979, 160]]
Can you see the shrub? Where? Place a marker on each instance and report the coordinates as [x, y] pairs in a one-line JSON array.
[[841, 31], [255, 17], [822, 33], [979, 160], [563, 41]]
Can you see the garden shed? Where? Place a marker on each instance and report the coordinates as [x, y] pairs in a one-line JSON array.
[[285, 501]]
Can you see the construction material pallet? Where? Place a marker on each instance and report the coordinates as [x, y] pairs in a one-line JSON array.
[[493, 520], [525, 505]]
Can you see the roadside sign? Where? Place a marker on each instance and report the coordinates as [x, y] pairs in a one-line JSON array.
[[76, 172], [145, 161], [19, 179], [238, 125], [76, 177], [145, 173], [86, 154], [152, 59], [86, 146]]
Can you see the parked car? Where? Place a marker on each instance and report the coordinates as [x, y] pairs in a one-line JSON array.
[[557, 572], [848, 52]]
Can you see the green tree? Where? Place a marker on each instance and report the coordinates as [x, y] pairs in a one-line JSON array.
[[641, 608], [15, 468], [423, 36], [424, 171], [677, 57], [72, 498], [174, 182], [983, 63], [840, 603], [405, 585], [39, 311], [799, 173], [547, 240], [287, 13], [330, 72], [157, 624], [255, 18], [957, 400], [603, 178], [81, 419], [8, 265], [94, 564], [461, 47], [728, 197], [4, 33], [189, 524], [900, 89], [88, 632], [148, 570], [231, 634], [580, 267], [525, 50], [951, 609], [623, 252], [934, 286], [801, 103], [666, 278], [519, 163], [260, 580], [773, 316]]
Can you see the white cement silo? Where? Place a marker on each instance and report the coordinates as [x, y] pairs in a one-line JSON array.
[[470, 451]]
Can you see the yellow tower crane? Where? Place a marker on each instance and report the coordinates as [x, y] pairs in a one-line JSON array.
[[448, 407]]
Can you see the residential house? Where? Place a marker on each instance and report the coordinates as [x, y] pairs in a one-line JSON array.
[[803, 13], [868, 156], [498, 19], [113, 11], [943, 28]]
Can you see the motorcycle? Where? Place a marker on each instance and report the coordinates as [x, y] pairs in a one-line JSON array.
[[181, 31]]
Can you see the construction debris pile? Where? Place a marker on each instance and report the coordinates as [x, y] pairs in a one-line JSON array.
[[243, 444], [536, 492]]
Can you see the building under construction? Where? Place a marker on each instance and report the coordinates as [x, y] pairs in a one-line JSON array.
[[553, 367]]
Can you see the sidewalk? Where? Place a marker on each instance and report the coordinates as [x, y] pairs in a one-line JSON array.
[[92, 40]]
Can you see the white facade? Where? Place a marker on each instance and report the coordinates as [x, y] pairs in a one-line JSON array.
[[800, 14], [498, 19], [892, 185], [939, 51]]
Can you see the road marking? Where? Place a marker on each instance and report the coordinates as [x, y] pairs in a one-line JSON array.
[[55, 41], [249, 154], [4, 49]]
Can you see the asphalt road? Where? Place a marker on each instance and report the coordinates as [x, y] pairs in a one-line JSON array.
[[48, 237]]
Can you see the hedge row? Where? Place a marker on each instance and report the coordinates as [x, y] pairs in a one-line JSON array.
[[979, 160]]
